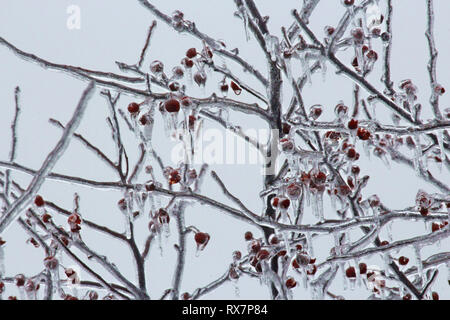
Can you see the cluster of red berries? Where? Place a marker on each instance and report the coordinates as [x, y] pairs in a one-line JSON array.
[[74, 222], [350, 272]]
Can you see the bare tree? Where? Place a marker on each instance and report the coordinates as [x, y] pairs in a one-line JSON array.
[[306, 161]]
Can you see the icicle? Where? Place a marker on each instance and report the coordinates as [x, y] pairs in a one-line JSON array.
[[305, 67], [319, 200], [323, 67], [309, 244], [2, 260], [419, 264], [273, 46], [440, 138], [245, 18], [389, 230]]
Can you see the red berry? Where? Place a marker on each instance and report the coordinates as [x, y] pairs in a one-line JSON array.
[[353, 124], [255, 246], [284, 204], [174, 177], [187, 63], [51, 262], [435, 295], [163, 216], [403, 260], [435, 227], [74, 218], [174, 86], [350, 272], [237, 90], [248, 236], [172, 105], [2, 287], [407, 296], [363, 134], [133, 108], [282, 253], [200, 78], [224, 88], [185, 296], [19, 280], [384, 243], [424, 211], [186, 102], [39, 201], [191, 53], [201, 238], [362, 268], [262, 254], [286, 128], [312, 271], [351, 153], [46, 217], [372, 55], [355, 170], [237, 255], [93, 295], [273, 239], [290, 283]]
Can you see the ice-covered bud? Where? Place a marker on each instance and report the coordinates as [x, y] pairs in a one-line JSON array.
[[174, 86], [294, 190], [237, 255], [19, 280], [200, 78], [177, 72], [157, 67], [341, 110], [329, 30], [438, 89], [273, 239], [287, 145], [372, 55], [358, 35], [177, 15], [51, 262], [315, 111], [163, 216]]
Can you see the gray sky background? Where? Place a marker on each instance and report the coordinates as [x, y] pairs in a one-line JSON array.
[[115, 31]]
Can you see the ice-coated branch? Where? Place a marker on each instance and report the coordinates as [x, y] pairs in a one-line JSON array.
[[211, 286], [211, 42], [18, 206], [435, 89], [13, 151], [386, 78]]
